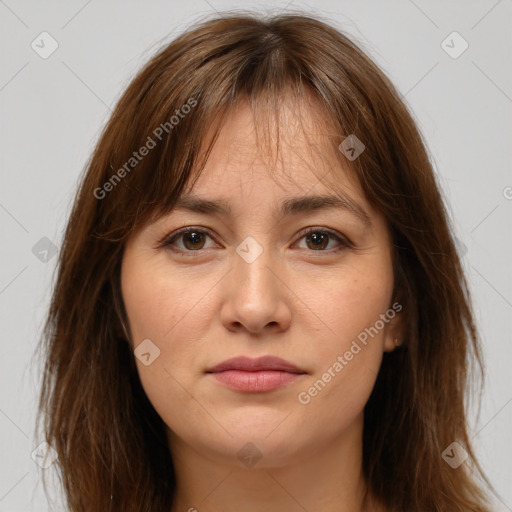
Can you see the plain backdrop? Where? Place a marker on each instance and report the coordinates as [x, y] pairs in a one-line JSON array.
[[53, 108]]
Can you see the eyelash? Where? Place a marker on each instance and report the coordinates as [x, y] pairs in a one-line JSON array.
[[168, 240]]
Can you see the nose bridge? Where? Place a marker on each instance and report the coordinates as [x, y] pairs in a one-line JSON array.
[[252, 268], [255, 298]]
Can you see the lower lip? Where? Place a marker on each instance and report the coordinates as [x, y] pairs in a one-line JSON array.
[[255, 382]]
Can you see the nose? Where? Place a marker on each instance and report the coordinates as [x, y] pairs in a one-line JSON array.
[[256, 297]]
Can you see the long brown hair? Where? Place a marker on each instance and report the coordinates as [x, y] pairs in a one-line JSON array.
[[112, 447]]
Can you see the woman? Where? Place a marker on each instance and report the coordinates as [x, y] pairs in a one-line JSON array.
[[259, 304]]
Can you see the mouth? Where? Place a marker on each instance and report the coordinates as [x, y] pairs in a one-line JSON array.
[[255, 375]]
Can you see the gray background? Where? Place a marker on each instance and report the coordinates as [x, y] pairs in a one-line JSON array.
[[52, 111]]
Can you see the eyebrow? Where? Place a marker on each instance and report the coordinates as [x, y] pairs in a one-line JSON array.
[[291, 206]]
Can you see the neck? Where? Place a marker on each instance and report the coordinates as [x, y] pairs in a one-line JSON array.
[[328, 479]]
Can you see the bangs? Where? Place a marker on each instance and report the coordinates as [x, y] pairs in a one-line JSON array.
[[267, 119]]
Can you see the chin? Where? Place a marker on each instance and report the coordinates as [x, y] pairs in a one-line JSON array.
[[251, 452], [266, 442]]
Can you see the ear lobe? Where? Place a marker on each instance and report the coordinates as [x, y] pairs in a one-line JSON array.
[[395, 331], [391, 346]]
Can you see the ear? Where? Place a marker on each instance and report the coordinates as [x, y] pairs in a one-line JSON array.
[[395, 329]]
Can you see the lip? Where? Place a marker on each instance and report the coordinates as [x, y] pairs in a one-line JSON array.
[[258, 375]]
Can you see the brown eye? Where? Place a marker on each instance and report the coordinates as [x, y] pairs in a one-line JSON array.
[[193, 240], [317, 240], [188, 241], [322, 239]]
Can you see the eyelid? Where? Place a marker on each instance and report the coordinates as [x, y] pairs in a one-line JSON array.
[[344, 241], [167, 239]]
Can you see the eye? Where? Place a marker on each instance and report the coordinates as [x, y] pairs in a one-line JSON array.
[[317, 239], [190, 241]]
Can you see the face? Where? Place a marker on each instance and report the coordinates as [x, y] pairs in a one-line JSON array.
[[262, 317]]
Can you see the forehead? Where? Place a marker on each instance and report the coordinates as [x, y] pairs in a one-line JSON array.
[[276, 153]]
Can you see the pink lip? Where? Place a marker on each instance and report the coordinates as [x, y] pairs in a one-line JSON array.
[[255, 375]]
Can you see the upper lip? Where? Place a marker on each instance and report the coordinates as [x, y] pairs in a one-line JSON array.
[[248, 364]]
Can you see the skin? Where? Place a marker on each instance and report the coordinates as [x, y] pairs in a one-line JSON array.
[[293, 301]]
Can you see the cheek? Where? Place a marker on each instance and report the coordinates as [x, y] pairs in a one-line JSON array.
[[348, 302], [348, 358], [160, 303], [166, 309]]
